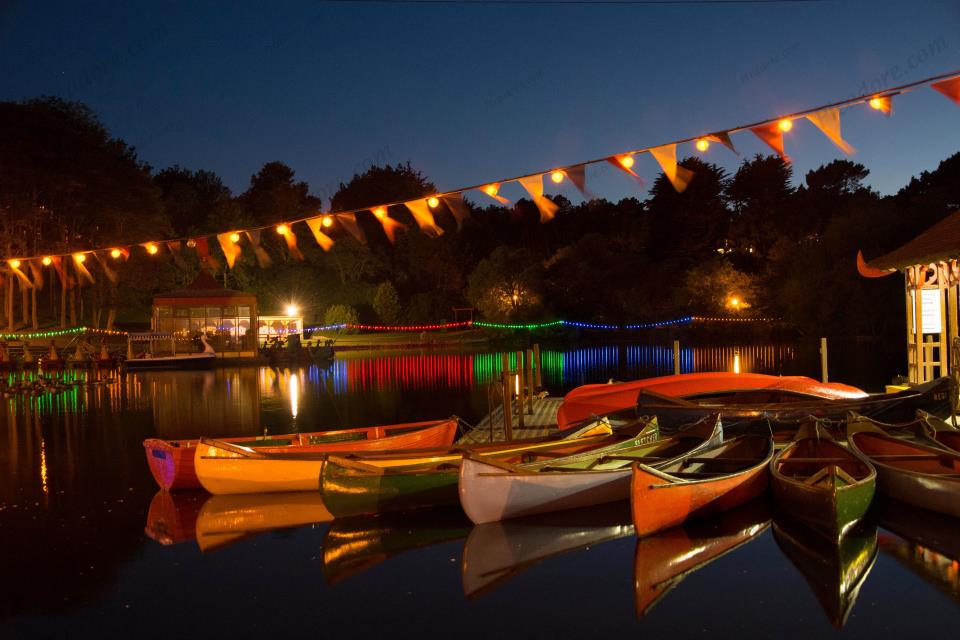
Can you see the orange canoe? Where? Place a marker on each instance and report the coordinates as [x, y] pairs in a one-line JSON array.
[[700, 484], [172, 461]]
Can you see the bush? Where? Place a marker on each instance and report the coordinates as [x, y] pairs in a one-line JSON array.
[[340, 314], [386, 303]]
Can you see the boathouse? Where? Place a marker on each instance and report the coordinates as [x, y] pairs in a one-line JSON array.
[[931, 267], [227, 317]]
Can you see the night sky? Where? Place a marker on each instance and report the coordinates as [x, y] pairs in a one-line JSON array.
[[470, 94]]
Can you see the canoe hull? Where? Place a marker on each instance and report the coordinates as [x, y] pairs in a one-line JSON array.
[[830, 512]]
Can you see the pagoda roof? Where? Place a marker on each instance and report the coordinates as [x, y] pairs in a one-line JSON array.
[[204, 287]]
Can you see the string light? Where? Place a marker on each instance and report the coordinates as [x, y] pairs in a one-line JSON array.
[[380, 212], [785, 124], [14, 263], [234, 237], [282, 229], [327, 221], [626, 161], [79, 257], [557, 176], [433, 202], [491, 189], [115, 253], [39, 335], [702, 144], [152, 249], [47, 261]]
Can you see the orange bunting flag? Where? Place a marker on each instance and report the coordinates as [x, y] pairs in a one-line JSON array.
[[828, 121], [421, 213], [174, 246], [457, 207], [291, 239], [58, 265], [666, 157], [390, 226], [107, 271], [349, 222], [723, 138], [78, 260], [773, 136], [37, 272], [493, 190], [949, 88], [21, 276], [534, 186], [624, 162], [322, 239], [231, 250], [203, 250], [578, 176], [263, 258]]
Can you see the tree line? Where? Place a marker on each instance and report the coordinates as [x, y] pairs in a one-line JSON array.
[[751, 243]]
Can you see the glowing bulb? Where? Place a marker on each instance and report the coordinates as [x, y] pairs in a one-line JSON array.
[[234, 237], [191, 243], [877, 103], [557, 176], [282, 229], [702, 144], [152, 249], [491, 189], [433, 202], [380, 212], [292, 309], [14, 263], [115, 253], [80, 257], [785, 125], [626, 162], [47, 261], [734, 302], [327, 221]]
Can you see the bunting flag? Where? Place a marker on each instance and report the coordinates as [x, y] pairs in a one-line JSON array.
[[578, 176], [203, 250], [666, 157], [773, 136], [869, 271], [949, 88], [534, 186], [107, 271], [349, 222], [723, 138], [828, 121], [291, 239], [124, 252], [390, 226], [37, 272], [424, 217], [322, 239], [493, 190], [21, 276], [624, 162], [78, 260], [174, 246], [263, 258], [231, 250], [58, 265], [457, 207]]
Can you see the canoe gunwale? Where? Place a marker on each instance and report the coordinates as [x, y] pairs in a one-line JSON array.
[[672, 480]]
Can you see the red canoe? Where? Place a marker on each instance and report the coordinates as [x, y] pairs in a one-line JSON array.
[[602, 399], [171, 461]]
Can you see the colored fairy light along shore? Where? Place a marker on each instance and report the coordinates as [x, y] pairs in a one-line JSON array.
[[825, 118]]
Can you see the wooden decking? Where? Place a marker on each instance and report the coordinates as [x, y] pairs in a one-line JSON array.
[[542, 422]]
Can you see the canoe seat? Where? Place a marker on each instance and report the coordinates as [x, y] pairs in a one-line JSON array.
[[337, 437], [697, 474]]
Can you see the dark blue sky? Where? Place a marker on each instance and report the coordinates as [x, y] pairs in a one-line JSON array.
[[474, 93]]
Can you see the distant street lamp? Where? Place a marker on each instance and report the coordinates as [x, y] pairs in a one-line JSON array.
[[734, 303], [292, 309]]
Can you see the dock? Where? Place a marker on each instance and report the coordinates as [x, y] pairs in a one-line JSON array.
[[542, 422]]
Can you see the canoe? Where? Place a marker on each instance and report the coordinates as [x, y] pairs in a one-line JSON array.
[[224, 520], [662, 561], [497, 552], [224, 468], [700, 483], [946, 434], [602, 399], [835, 572], [352, 486], [492, 491], [787, 407], [926, 429], [171, 461], [353, 545], [819, 482], [911, 472]]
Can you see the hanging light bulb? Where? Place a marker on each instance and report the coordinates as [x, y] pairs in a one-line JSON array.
[[191, 243], [491, 189], [626, 161], [557, 176], [282, 229], [115, 253], [234, 237], [14, 263], [380, 212], [327, 221], [79, 257], [433, 202], [47, 261], [785, 125], [702, 144], [152, 249]]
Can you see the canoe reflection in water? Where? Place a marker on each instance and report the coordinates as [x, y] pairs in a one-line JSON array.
[[926, 542], [835, 572], [216, 521], [353, 545], [496, 552], [663, 560]]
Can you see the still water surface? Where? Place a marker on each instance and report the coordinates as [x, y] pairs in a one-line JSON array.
[[90, 547]]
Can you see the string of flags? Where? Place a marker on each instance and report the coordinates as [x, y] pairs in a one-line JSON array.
[[28, 271]]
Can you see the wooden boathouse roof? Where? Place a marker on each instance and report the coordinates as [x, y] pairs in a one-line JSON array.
[[939, 242], [204, 288]]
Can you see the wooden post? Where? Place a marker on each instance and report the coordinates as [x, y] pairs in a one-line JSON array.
[[918, 335], [824, 375], [676, 357], [507, 396], [528, 378], [952, 321], [928, 357], [520, 389], [538, 367]]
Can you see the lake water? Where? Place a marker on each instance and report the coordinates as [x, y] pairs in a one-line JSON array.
[[90, 547]]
